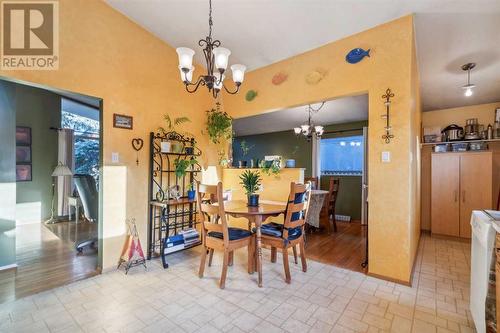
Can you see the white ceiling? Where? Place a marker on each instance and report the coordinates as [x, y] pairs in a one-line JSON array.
[[338, 111], [261, 32]]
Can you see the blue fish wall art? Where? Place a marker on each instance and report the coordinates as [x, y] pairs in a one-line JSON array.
[[356, 55]]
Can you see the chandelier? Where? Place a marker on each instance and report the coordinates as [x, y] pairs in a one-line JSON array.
[[217, 59], [309, 130]]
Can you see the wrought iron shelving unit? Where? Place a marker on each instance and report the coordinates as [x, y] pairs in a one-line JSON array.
[[168, 216]]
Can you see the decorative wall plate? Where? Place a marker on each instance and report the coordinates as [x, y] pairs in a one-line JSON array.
[[279, 78]]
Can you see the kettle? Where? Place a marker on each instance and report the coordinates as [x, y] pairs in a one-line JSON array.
[[453, 132]]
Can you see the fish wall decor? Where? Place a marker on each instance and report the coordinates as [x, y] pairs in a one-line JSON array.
[[279, 78], [356, 55], [250, 95], [315, 76]]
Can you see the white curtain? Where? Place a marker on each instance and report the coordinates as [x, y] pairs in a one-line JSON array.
[[65, 156], [316, 158]]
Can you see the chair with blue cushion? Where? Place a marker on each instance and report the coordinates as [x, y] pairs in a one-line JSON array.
[[291, 232], [215, 232]]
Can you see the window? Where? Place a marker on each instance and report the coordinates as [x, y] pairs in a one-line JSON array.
[[86, 129], [342, 156]]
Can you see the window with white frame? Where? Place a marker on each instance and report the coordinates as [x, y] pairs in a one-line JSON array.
[[342, 156]]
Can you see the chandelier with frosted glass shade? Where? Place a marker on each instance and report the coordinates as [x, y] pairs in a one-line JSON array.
[[217, 60], [309, 130]]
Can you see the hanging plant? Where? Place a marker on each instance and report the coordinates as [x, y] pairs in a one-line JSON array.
[[219, 125]]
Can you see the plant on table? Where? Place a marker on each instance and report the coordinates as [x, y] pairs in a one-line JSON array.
[[251, 182]]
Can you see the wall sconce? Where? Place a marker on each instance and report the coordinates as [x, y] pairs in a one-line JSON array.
[[388, 95]]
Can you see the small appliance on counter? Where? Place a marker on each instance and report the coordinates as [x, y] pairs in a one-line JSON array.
[[472, 129], [453, 132]]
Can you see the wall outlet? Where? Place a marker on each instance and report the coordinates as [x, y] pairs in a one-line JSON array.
[[386, 156], [115, 157]]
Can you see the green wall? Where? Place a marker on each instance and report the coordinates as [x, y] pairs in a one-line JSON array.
[[283, 143], [7, 175], [40, 110]]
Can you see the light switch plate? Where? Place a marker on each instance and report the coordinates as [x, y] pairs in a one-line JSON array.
[[115, 157], [386, 156]]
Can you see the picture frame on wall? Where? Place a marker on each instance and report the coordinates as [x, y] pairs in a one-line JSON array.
[[23, 136], [23, 154], [123, 121], [23, 173]]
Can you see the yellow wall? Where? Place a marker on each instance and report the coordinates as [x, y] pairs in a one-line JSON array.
[[104, 54], [484, 113], [391, 211]]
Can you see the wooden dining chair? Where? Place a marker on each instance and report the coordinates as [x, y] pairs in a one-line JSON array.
[[291, 232], [331, 200], [314, 182], [216, 234]]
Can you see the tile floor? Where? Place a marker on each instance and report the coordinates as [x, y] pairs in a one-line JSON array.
[[325, 299]]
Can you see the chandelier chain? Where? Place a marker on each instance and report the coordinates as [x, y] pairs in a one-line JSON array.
[[210, 21]]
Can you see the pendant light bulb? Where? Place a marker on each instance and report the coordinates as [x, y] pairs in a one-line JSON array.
[[468, 92]]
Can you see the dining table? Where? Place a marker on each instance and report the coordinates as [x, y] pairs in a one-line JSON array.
[[255, 216]]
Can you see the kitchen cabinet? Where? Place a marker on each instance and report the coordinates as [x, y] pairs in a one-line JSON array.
[[460, 183]]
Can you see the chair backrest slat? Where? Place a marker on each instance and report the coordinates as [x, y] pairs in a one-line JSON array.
[[211, 204], [298, 203], [314, 182]]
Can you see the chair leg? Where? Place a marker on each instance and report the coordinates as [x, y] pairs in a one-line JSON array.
[[210, 256], [231, 258], [294, 248], [303, 256], [273, 254], [251, 255], [225, 262], [286, 265], [334, 221], [202, 262]]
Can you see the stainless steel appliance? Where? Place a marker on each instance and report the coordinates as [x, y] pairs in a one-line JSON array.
[[472, 129], [453, 132]]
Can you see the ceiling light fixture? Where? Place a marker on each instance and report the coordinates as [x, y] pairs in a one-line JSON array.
[[468, 87], [217, 59], [309, 130]]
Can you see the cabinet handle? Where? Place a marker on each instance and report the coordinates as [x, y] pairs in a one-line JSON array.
[[456, 195], [463, 196]]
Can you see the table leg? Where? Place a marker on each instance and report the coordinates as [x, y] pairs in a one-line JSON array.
[[258, 234], [77, 213]]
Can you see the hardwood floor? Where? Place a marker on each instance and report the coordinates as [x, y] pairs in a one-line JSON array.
[[344, 248], [46, 258]]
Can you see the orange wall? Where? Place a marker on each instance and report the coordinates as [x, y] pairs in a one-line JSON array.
[[104, 54], [484, 113], [391, 210]]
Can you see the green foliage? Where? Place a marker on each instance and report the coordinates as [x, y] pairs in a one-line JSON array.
[[251, 181], [219, 126], [245, 148], [172, 123], [272, 168], [181, 166]]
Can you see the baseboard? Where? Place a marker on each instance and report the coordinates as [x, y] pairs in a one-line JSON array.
[[7, 267], [386, 278]]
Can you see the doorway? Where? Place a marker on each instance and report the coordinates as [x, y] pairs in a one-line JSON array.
[[340, 154], [56, 162]]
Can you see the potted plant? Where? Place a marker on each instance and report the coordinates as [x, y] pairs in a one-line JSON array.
[[271, 167], [219, 125], [290, 163], [191, 192], [251, 182], [245, 149], [172, 146], [181, 165]]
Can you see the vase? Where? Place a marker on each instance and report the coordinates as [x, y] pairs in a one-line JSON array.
[[290, 163], [177, 147], [191, 194], [242, 164], [253, 200], [166, 146]]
